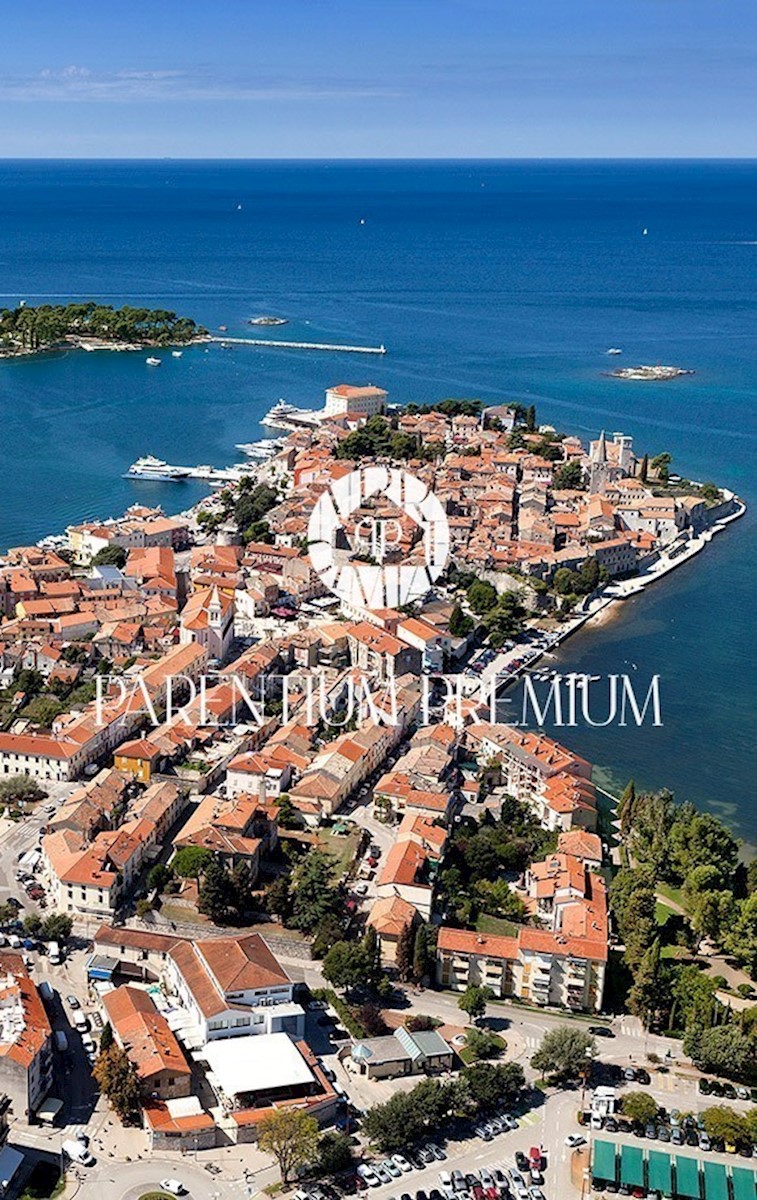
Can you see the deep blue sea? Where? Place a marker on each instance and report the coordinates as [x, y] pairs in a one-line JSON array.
[[491, 280]]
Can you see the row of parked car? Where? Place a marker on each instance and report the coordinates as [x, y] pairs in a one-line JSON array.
[[501, 1124], [502, 1182], [713, 1087], [375, 1173], [676, 1129]]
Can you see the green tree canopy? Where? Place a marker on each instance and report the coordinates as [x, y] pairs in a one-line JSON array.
[[20, 788], [57, 927], [568, 475], [191, 861], [313, 891], [334, 1153], [216, 895], [564, 1052], [741, 939], [291, 1136], [725, 1050], [110, 556], [639, 1107], [117, 1079], [726, 1124], [493, 1086], [473, 1001]]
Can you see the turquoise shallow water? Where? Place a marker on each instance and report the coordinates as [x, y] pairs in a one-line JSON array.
[[492, 280]]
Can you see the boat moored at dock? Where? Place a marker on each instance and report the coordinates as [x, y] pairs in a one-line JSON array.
[[287, 416], [156, 470]]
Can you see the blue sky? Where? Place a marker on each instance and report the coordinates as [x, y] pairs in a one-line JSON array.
[[379, 78]]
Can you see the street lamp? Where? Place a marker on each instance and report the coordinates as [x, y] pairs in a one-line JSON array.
[[585, 1073]]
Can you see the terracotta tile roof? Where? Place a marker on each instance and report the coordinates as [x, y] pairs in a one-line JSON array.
[[214, 967], [136, 939], [404, 864], [582, 844], [144, 1033], [159, 1118], [391, 915], [465, 941], [37, 746], [18, 990]]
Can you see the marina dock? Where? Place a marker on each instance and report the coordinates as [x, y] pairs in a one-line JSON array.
[[237, 341]]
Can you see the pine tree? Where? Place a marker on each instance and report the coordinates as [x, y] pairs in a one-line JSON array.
[[216, 891], [242, 888], [404, 957]]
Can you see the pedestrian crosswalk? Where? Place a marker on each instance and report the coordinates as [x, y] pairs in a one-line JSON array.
[[667, 1082], [529, 1118], [532, 1042]]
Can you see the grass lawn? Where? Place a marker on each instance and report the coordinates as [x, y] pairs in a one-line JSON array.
[[671, 893], [681, 953], [468, 1057], [496, 925], [342, 848], [662, 912]]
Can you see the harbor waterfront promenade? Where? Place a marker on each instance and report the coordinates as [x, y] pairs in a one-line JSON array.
[[515, 289]]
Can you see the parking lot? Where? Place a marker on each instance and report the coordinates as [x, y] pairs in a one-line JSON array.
[[474, 1169]]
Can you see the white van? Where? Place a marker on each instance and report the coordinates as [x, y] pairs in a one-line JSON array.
[[81, 1021], [78, 1153], [53, 953]]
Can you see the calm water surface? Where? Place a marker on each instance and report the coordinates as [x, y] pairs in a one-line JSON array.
[[490, 280]]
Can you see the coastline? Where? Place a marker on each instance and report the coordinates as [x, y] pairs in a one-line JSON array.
[[95, 345]]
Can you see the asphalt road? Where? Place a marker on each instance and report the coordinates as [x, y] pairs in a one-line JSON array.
[[17, 837], [128, 1181]]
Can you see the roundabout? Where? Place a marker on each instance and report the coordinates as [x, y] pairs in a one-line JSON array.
[[140, 1180]]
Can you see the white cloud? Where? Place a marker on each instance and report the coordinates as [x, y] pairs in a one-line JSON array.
[[133, 84]]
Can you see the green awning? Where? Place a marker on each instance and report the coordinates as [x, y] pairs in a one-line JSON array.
[[687, 1177], [632, 1166], [744, 1184], [715, 1181], [660, 1172], [603, 1165]]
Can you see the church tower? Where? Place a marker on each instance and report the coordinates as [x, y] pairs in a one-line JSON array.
[[599, 473]]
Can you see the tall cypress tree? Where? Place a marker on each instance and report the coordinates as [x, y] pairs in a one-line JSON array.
[[405, 948]]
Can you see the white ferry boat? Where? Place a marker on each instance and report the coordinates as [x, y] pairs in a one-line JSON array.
[[263, 449], [287, 416], [152, 362], [156, 469]]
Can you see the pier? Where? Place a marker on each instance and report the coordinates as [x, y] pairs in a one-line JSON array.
[[238, 341]]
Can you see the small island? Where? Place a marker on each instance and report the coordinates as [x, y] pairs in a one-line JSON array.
[[268, 321], [650, 373], [35, 329]]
